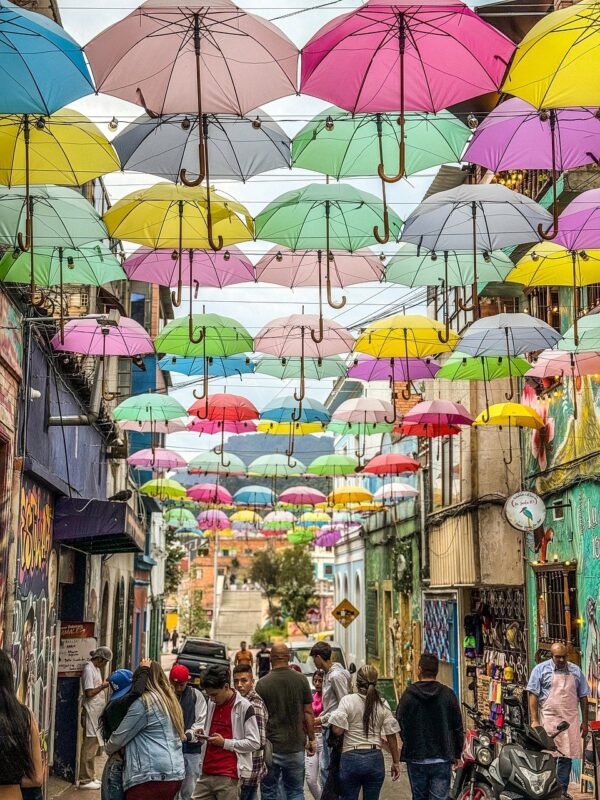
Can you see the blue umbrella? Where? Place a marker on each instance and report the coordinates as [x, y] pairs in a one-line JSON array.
[[285, 409], [188, 529], [41, 67], [254, 496], [217, 367]]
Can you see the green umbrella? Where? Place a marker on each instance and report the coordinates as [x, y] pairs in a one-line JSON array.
[[163, 489], [358, 428], [588, 336], [333, 464], [149, 407], [205, 336], [211, 463], [89, 265], [460, 367], [299, 536], [290, 368], [276, 465], [179, 516]]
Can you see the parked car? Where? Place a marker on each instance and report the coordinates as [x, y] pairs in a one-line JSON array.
[[198, 654], [300, 654]]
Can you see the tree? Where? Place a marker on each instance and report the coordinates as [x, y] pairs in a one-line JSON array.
[[296, 584], [265, 571], [195, 622], [175, 552]]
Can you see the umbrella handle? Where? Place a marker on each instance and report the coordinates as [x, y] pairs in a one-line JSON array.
[[218, 245], [319, 339], [201, 164], [296, 417], [394, 419], [176, 296], [386, 228], [204, 388], [552, 231], [464, 307], [406, 393], [511, 393], [444, 338], [24, 243], [191, 336], [402, 170], [510, 450], [330, 301]]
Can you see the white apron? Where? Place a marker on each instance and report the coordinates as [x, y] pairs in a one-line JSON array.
[[563, 704]]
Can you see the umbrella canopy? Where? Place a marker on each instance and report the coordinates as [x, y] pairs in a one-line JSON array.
[[587, 339], [404, 336], [367, 368], [296, 268], [551, 364], [302, 496], [360, 428], [391, 492], [555, 63], [210, 463], [329, 536], [276, 466], [224, 407], [412, 267], [245, 520], [216, 366], [510, 414], [151, 426], [349, 494], [43, 68], [210, 427], [297, 536], [317, 369], [179, 516], [213, 519], [461, 367], [89, 265], [313, 519], [150, 406], [391, 464], [238, 148], [507, 335], [199, 267], [438, 412], [210, 493], [254, 496], [550, 264], [332, 465], [427, 430], [157, 458], [278, 521], [285, 409], [163, 489], [363, 409], [579, 222], [290, 336], [213, 335], [101, 336]]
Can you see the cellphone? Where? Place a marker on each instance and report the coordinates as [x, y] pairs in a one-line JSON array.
[[201, 736]]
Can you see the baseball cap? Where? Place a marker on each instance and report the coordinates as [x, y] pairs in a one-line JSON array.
[[179, 673], [102, 652], [120, 682]]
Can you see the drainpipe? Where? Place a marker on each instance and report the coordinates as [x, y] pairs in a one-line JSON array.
[[424, 545], [71, 422]]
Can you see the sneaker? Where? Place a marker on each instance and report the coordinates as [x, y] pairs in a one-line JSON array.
[[567, 796], [91, 785]]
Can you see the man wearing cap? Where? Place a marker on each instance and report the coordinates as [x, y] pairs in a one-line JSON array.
[[94, 688], [193, 706]]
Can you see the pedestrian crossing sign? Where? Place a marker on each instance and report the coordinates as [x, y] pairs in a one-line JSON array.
[[345, 613]]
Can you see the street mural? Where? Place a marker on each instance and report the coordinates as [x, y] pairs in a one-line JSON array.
[[34, 642]]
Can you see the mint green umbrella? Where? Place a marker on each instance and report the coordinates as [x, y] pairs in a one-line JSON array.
[[299, 536], [333, 464], [89, 265], [275, 465], [149, 407], [290, 368], [211, 463], [179, 516], [460, 367], [358, 428]]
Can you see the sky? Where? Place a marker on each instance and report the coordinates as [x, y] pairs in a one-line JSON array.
[[253, 305]]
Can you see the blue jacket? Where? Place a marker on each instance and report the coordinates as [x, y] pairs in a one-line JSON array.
[[153, 749]]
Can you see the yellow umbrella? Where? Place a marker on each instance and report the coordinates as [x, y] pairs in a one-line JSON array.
[[246, 516], [349, 494], [163, 489], [289, 428], [510, 415], [558, 62]]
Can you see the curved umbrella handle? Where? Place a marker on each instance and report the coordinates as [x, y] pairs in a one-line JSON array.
[[406, 392], [201, 164], [444, 338], [192, 338], [463, 307], [386, 228], [24, 243], [510, 450], [204, 387], [297, 415], [319, 339], [394, 419], [218, 245], [176, 296], [552, 231], [402, 169], [330, 298], [511, 393]]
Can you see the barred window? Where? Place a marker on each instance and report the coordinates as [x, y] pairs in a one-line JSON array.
[[556, 594]]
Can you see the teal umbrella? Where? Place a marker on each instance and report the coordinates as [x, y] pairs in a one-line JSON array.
[[316, 369], [149, 407], [211, 463], [89, 265]]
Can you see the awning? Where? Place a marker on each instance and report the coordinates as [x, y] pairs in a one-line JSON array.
[[98, 526]]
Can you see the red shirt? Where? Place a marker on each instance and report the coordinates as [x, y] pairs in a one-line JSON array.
[[217, 760]]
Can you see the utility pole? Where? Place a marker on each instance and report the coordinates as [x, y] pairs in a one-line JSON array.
[[215, 580]]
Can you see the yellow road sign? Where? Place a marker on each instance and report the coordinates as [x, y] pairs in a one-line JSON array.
[[345, 613]]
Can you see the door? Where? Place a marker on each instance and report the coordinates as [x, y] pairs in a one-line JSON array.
[[440, 632]]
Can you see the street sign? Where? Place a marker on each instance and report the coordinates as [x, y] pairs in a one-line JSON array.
[[345, 613], [313, 616], [525, 511]]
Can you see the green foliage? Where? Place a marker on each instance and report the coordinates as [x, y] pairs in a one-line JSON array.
[[195, 622], [265, 572], [175, 552], [267, 635], [296, 583]]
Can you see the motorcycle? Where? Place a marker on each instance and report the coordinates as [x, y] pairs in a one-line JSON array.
[[471, 777]]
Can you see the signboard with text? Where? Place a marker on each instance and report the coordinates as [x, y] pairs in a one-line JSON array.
[[77, 640]]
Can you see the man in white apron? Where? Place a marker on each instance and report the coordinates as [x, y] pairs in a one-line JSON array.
[[558, 691], [93, 687]]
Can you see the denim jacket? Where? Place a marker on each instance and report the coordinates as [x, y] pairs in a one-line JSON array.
[[153, 749]]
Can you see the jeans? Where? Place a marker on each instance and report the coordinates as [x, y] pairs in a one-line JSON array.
[[248, 791], [192, 773], [290, 767], [430, 781], [312, 767], [563, 772], [325, 758], [361, 769], [112, 779]]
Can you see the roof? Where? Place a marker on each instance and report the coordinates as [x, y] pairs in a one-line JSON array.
[[515, 18], [447, 178]]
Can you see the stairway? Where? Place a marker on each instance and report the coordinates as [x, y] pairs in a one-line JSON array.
[[239, 616]]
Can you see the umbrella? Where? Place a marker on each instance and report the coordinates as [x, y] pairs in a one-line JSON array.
[[186, 530], [213, 519], [515, 135], [329, 536], [427, 430], [391, 492], [551, 364], [316, 369], [178, 218], [245, 520], [391, 464], [43, 68], [301, 496], [332, 465], [508, 335], [461, 367], [211, 427], [286, 337], [211, 463], [163, 489], [237, 148], [217, 366], [344, 495], [412, 58], [254, 496], [579, 222], [149, 426], [438, 412], [300, 536], [210, 494], [276, 465], [179, 516], [325, 218], [206, 336], [313, 519], [510, 415], [199, 268], [588, 336], [278, 521], [476, 217], [288, 416], [359, 428], [149, 407], [157, 458], [224, 408], [367, 368], [363, 409]]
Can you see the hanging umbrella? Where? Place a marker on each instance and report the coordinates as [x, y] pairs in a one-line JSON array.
[[237, 148], [362, 417], [578, 224], [438, 412], [149, 407], [476, 217], [332, 465], [326, 217], [213, 519], [295, 268], [209, 427], [408, 58], [43, 68], [204, 336], [300, 536], [391, 464], [588, 336], [461, 367], [189, 530], [426, 430], [89, 265], [245, 520], [367, 368], [163, 489], [328, 536], [254, 496], [349, 494], [551, 364], [210, 494], [316, 369], [211, 463], [392, 492], [224, 408], [347, 518], [285, 415], [360, 429], [302, 496], [150, 426], [278, 521], [312, 520], [179, 516], [275, 465], [217, 367], [157, 458], [510, 415]]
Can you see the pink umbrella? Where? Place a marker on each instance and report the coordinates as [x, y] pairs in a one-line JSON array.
[[153, 426], [213, 520], [210, 493], [158, 458], [215, 426], [579, 223], [391, 492], [200, 268], [402, 57], [365, 410], [303, 268], [440, 412], [552, 363], [302, 496], [367, 368]]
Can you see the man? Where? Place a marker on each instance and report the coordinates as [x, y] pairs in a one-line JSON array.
[[243, 682], [193, 706], [94, 688], [558, 691], [174, 640], [232, 737], [243, 656], [263, 660], [432, 732], [336, 684], [288, 699]]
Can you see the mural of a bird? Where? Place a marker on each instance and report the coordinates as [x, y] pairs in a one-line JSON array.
[[527, 513]]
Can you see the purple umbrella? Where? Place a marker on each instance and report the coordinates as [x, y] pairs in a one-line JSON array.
[[213, 519], [207, 267], [367, 368], [329, 536], [579, 224]]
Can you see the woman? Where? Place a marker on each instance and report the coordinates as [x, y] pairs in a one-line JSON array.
[[20, 749], [151, 733], [365, 719], [312, 762]]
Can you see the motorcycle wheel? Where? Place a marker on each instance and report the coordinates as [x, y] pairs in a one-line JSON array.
[[479, 792]]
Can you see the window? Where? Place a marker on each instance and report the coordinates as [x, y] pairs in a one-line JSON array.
[[557, 604], [138, 308], [124, 377], [328, 570], [372, 613]]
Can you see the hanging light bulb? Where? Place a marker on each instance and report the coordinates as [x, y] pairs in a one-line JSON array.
[[472, 122], [256, 124], [279, 256], [70, 262], [226, 255], [487, 257], [186, 124], [433, 255], [113, 124], [544, 115], [329, 123], [382, 257], [40, 123], [175, 255], [584, 256]]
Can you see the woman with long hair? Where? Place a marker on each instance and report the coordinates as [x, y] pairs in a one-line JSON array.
[[313, 762], [152, 733], [365, 720], [20, 749]]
